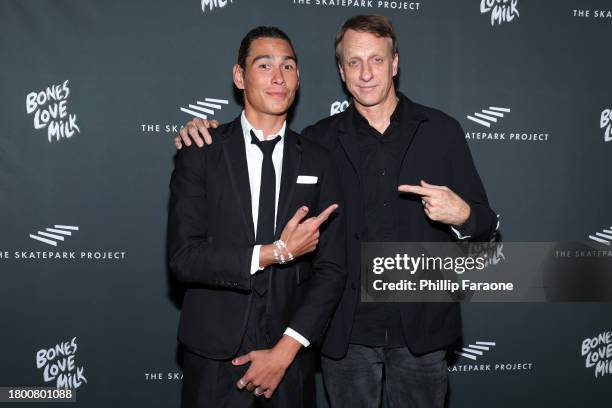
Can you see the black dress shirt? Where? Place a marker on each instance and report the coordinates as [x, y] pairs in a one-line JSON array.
[[379, 324]]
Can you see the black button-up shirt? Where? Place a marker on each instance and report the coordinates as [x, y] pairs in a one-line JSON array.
[[379, 324]]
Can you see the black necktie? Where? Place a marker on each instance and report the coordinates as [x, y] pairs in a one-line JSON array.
[[267, 204]]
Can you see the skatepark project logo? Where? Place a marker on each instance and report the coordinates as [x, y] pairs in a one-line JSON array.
[[491, 118], [595, 14], [58, 365], [53, 235], [59, 236], [605, 123], [163, 376], [50, 110], [201, 109], [483, 353], [472, 351], [487, 116], [502, 11], [211, 5], [597, 353], [356, 5], [338, 107], [603, 237]]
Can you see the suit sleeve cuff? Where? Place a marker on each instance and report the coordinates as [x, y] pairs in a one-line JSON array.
[[466, 230], [297, 336], [458, 234], [255, 260]]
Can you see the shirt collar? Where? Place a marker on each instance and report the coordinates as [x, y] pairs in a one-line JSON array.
[[399, 109], [395, 118], [247, 127]]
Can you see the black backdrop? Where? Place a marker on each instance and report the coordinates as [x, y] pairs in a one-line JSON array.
[[90, 159]]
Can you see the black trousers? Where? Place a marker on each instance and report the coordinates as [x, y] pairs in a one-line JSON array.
[[209, 383], [367, 376]]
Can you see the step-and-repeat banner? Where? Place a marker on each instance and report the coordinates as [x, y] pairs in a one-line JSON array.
[[93, 93]]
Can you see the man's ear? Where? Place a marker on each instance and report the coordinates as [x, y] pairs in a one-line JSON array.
[[395, 63], [341, 72], [238, 76]]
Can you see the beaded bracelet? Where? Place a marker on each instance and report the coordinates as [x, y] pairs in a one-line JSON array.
[[278, 252]]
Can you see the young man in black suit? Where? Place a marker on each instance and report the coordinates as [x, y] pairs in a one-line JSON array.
[[263, 279]]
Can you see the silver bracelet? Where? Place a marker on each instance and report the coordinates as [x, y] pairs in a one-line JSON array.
[[278, 254], [279, 249], [284, 246]]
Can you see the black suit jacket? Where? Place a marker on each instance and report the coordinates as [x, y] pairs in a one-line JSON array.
[[435, 150], [211, 239]]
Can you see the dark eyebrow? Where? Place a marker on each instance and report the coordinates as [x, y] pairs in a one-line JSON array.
[[285, 58]]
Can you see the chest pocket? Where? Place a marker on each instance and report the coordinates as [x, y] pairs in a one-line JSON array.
[[308, 195]]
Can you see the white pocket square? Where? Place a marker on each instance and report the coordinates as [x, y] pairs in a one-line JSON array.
[[307, 179]]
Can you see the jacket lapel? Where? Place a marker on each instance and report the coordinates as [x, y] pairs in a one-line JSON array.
[[409, 126], [235, 158], [347, 138], [292, 156]]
